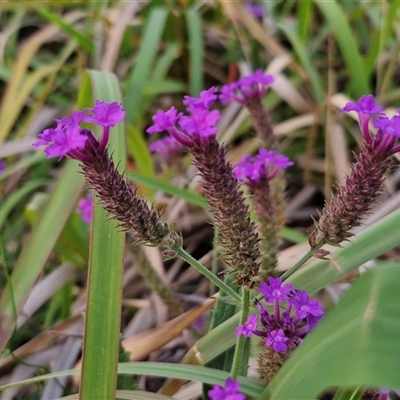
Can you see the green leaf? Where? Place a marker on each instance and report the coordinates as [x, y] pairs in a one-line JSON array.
[[144, 62], [103, 314], [356, 344], [195, 33], [337, 20]]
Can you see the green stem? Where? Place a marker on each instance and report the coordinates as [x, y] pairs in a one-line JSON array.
[[208, 274], [299, 263], [238, 355]]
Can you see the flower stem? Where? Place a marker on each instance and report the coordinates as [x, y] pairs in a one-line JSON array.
[[238, 355], [208, 274], [299, 263]]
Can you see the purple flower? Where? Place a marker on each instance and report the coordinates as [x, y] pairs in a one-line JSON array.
[[206, 100], [105, 114], [265, 165], [60, 143], [164, 121], [68, 138], [248, 328], [85, 208], [201, 122], [167, 147], [388, 126], [195, 127], [282, 329], [229, 392], [365, 107], [305, 306], [274, 290], [76, 119], [277, 340], [246, 89]]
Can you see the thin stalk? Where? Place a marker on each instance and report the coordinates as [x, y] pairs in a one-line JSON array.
[[244, 313], [208, 274], [299, 263]]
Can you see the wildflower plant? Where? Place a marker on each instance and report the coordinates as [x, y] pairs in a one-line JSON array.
[[284, 315]]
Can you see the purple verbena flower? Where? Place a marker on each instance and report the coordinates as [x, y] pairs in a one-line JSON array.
[[164, 120], [229, 392], [248, 328], [263, 166], [69, 139], [105, 114], [365, 107], [85, 208], [166, 147], [286, 329], [277, 340], [275, 290], [199, 125], [246, 89], [60, 143], [305, 306], [205, 100]]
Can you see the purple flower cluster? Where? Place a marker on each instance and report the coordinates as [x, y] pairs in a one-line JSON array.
[[69, 139], [283, 330], [263, 166], [246, 89], [2, 166], [85, 208], [229, 392], [388, 128], [255, 9], [196, 127]]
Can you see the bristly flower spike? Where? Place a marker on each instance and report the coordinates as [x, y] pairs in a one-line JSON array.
[[197, 129], [257, 172], [117, 196], [362, 187], [248, 91]]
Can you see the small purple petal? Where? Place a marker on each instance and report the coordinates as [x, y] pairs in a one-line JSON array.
[[70, 122], [248, 327], [164, 120], [305, 306], [365, 105], [277, 340], [105, 114], [202, 122], [388, 126], [230, 392], [265, 165], [246, 88], [256, 10], [206, 99], [274, 290], [2, 166]]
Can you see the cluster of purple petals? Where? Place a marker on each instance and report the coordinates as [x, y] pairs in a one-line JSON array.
[[166, 147], [196, 126], [246, 89], [282, 329], [229, 392], [388, 129], [69, 139], [85, 208], [263, 166]]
